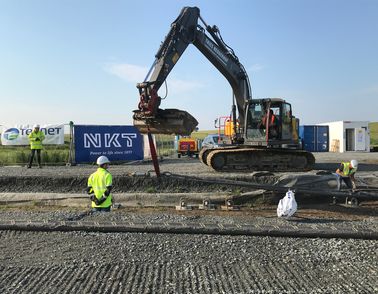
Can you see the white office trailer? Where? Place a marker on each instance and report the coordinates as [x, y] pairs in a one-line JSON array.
[[345, 136]]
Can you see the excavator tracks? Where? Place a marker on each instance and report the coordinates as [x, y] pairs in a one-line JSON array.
[[257, 159]]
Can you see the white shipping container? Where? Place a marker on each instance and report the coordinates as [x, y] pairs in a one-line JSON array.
[[347, 136]]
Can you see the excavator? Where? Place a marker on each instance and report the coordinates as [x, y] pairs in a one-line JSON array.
[[263, 129]]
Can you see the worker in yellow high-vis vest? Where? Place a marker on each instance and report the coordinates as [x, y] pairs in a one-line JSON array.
[[35, 139], [100, 184], [345, 173]]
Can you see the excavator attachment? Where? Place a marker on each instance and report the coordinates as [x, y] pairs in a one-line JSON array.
[[166, 121]]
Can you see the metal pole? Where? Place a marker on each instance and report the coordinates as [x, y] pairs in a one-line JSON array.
[[71, 159], [153, 153]]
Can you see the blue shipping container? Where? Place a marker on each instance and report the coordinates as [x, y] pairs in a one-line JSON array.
[[314, 138]]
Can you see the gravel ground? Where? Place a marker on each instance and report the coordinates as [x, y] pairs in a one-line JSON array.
[[83, 262], [66, 262]]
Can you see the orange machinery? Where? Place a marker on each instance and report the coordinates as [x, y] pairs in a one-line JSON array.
[[187, 146]]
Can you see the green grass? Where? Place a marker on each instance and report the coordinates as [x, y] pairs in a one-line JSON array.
[[373, 133], [58, 154], [19, 155], [202, 134], [51, 154]]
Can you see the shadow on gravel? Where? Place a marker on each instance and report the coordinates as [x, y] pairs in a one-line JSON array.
[[79, 216], [305, 220], [334, 165], [365, 209]]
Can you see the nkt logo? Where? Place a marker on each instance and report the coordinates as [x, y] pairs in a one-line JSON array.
[[107, 140]]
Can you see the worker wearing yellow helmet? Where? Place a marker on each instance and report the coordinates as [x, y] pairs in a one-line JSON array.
[[100, 184], [345, 173]]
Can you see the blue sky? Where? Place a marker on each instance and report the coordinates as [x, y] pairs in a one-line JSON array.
[[80, 60]]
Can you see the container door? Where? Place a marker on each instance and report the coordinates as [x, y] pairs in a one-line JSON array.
[[360, 139], [322, 139], [309, 138], [350, 139]]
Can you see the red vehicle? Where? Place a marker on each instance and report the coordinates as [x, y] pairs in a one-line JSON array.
[[187, 146]]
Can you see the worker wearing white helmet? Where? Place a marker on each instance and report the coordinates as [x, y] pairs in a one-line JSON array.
[[100, 186], [345, 173], [35, 139]]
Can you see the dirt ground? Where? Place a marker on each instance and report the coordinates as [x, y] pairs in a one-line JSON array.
[[97, 262], [188, 178]]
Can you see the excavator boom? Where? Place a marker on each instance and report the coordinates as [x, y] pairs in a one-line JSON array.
[[185, 30], [263, 135]]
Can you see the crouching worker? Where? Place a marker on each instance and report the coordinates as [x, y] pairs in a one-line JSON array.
[[100, 185], [346, 173]]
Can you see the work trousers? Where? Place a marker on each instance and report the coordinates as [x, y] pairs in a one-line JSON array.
[[32, 157], [101, 209], [346, 180]]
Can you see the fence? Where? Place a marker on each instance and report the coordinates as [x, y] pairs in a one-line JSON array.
[[16, 149], [19, 155], [60, 154], [64, 154], [165, 145]]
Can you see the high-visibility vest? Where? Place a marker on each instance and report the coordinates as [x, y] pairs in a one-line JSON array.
[[99, 181], [34, 143], [272, 120], [347, 171]]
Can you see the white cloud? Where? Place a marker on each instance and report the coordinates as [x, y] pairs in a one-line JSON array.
[[181, 86], [372, 90], [256, 67], [136, 74], [128, 72]]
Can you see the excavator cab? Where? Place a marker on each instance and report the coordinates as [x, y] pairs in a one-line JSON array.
[[269, 123]]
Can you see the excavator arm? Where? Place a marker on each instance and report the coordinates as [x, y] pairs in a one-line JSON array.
[[250, 148], [185, 30]]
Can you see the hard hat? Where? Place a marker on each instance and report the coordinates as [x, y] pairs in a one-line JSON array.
[[354, 163], [36, 126], [102, 160]]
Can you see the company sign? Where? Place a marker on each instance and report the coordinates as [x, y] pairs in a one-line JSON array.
[[54, 135], [115, 142]]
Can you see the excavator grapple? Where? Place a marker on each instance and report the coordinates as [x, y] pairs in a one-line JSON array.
[[166, 121]]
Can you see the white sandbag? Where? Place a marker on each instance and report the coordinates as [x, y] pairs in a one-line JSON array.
[[287, 205]]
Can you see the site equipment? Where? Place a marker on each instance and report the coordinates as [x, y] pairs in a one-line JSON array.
[[225, 126], [263, 128], [187, 146]]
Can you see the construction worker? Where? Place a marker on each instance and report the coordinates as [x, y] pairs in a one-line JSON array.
[[270, 120], [100, 185], [35, 139], [345, 173]]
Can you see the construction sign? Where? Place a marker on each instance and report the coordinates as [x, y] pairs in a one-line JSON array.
[[18, 135], [118, 143]]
